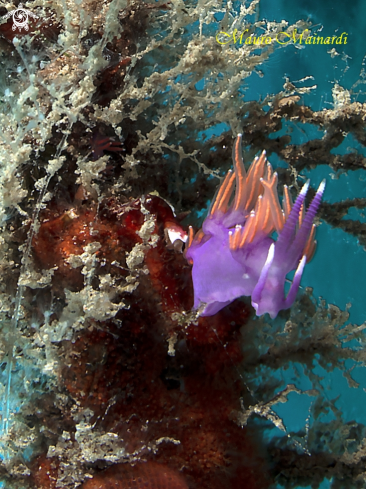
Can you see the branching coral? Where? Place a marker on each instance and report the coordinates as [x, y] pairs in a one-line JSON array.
[[315, 337]]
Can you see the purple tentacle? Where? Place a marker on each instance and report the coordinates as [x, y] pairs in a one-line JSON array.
[[261, 284], [304, 231], [291, 296], [286, 236]]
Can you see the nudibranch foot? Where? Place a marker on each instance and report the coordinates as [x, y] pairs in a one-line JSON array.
[[234, 254]]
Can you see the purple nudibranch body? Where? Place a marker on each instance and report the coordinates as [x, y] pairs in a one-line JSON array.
[[234, 254]]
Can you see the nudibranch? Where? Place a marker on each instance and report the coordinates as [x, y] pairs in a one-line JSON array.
[[235, 253]]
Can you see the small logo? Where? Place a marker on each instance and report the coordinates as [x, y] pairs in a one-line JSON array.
[[20, 18]]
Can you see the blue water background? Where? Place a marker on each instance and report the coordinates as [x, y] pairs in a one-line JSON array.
[[338, 270]]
